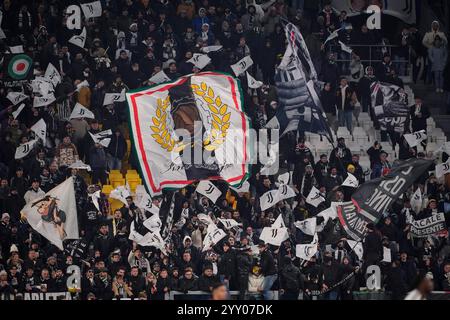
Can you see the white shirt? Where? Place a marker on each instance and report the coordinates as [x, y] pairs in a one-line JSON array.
[[415, 295]]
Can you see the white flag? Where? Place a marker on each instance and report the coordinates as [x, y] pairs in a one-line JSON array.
[[80, 165], [350, 181], [200, 60], [42, 85], [55, 215], [102, 138], [329, 213], [242, 65], [43, 101], [229, 223], [134, 235], [153, 239], [159, 77], [79, 39], [442, 169], [16, 97], [284, 178], [147, 204], [252, 82], [268, 199], [210, 49], [279, 222], [285, 192], [308, 250], [40, 129], [92, 9], [345, 48], [213, 236], [95, 196], [205, 219], [245, 187], [415, 138], [120, 193], [332, 36], [209, 190], [16, 49], [153, 223], [417, 201], [18, 111], [52, 75], [314, 198], [357, 248], [274, 236], [386, 255], [82, 84], [79, 112], [307, 226], [24, 149], [2, 34], [110, 98]]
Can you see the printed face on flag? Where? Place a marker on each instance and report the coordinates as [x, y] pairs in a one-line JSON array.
[[172, 122], [55, 215]]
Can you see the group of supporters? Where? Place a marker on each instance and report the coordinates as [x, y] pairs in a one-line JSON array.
[[134, 40]]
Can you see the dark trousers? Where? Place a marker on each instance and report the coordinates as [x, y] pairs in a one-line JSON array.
[[243, 286], [99, 175]]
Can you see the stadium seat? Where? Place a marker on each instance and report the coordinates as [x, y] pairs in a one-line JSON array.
[[114, 204], [106, 189], [118, 182]]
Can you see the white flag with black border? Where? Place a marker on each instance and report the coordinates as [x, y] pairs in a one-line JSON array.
[[252, 82], [159, 77], [52, 74], [314, 197], [79, 112], [308, 250], [79, 39], [92, 9], [40, 129], [350, 181], [16, 97], [24, 149], [242, 65], [200, 60], [110, 98], [209, 190], [414, 139]]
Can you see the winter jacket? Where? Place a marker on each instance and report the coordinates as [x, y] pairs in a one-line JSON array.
[[267, 261]]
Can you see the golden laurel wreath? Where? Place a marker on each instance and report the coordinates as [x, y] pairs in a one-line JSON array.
[[220, 118], [220, 121]]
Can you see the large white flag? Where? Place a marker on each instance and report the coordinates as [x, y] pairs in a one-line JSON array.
[[18, 111], [252, 82], [229, 223], [40, 129], [24, 149], [120, 193], [92, 9], [415, 138], [55, 215], [307, 226], [102, 138], [242, 65], [357, 247], [52, 75], [314, 198], [146, 203], [209, 190], [110, 98], [159, 77], [79, 112], [16, 97], [79, 39], [43, 101], [417, 201], [350, 181], [210, 49], [213, 236], [200, 60], [442, 169], [308, 250]]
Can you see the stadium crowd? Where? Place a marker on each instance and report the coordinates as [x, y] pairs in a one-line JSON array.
[[126, 46]]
